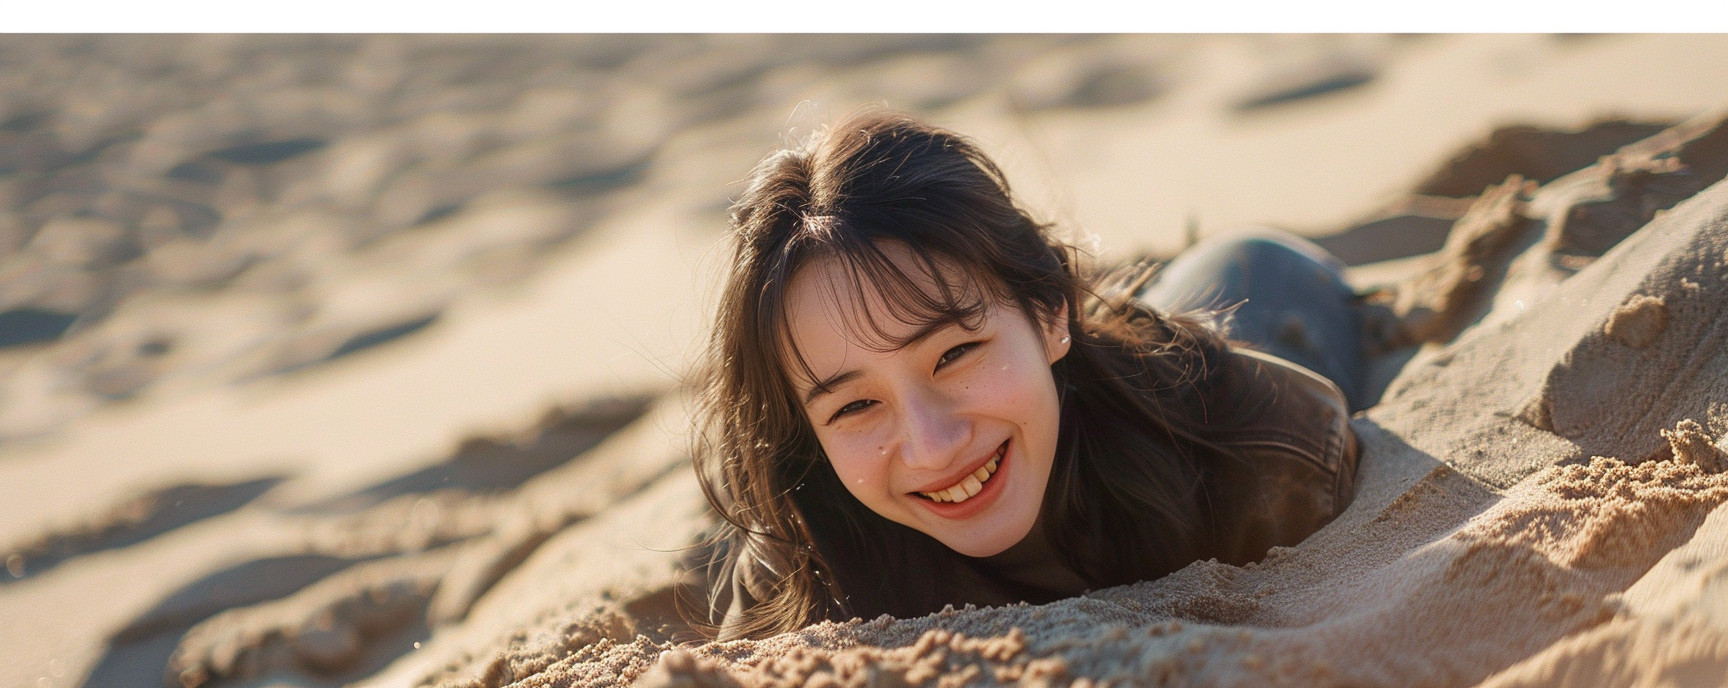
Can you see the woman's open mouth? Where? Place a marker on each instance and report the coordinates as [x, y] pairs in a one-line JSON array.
[[969, 486]]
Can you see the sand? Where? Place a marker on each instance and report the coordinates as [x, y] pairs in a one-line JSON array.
[[355, 360]]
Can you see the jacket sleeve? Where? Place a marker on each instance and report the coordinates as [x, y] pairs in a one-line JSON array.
[[736, 597], [1292, 457]]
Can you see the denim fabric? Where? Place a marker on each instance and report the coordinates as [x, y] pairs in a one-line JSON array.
[[1288, 296]]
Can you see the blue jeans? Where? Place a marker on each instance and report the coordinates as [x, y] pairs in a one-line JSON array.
[[1289, 295]]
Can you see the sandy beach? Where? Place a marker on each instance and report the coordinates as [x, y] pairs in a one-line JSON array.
[[358, 360]]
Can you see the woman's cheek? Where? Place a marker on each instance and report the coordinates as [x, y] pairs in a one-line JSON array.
[[1004, 389], [859, 463]]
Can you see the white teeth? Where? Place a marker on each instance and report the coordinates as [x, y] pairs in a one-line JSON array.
[[969, 486]]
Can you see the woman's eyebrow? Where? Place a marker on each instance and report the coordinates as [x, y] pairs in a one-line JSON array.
[[928, 329], [827, 385]]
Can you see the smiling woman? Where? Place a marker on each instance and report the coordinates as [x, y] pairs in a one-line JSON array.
[[915, 396]]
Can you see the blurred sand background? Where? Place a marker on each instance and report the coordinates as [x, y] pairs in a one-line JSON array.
[[300, 335]]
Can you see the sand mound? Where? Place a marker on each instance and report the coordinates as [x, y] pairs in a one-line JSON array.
[[1540, 503], [1542, 562], [1539, 564]]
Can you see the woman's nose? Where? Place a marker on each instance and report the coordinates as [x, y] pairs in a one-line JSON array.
[[933, 431]]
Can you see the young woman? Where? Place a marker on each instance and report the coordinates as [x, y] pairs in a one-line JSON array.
[[916, 397]]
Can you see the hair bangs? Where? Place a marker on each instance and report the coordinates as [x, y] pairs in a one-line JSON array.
[[882, 304]]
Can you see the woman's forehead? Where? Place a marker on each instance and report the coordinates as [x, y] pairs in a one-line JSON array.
[[839, 317], [879, 306]]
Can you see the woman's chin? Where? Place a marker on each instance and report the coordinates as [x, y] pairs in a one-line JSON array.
[[988, 532], [985, 544]]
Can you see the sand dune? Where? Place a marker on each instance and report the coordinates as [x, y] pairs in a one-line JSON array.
[[355, 360]]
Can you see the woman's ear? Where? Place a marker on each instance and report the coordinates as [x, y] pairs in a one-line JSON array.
[[1056, 336]]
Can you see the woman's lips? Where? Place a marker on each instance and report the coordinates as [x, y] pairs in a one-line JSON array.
[[980, 500], [970, 485]]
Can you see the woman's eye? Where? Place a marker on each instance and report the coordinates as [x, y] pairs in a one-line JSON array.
[[951, 355], [855, 406]]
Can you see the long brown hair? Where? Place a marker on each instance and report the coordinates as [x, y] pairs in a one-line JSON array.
[[1123, 502]]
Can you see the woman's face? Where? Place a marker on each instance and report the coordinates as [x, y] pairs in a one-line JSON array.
[[952, 434]]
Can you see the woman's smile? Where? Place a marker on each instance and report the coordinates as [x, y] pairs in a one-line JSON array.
[[972, 501], [968, 485]]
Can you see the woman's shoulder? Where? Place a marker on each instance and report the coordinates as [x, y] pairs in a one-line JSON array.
[[1293, 456], [1282, 399]]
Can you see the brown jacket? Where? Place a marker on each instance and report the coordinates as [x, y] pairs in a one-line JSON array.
[[1297, 467]]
